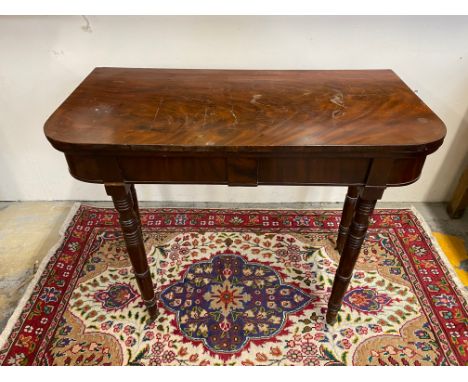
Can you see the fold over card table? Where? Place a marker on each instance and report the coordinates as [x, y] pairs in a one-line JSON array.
[[364, 129]]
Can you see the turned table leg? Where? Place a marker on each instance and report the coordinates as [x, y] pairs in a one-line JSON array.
[[135, 201], [347, 216], [125, 202], [349, 254]]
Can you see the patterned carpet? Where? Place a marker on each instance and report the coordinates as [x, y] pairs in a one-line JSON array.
[[240, 287]]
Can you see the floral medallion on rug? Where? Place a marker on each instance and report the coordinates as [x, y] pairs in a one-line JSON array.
[[240, 287]]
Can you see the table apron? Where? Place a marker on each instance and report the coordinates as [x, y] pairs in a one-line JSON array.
[[238, 171]]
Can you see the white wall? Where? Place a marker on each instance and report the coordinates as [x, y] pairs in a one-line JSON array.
[[44, 58]]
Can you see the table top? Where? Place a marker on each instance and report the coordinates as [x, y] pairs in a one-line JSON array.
[[243, 110]]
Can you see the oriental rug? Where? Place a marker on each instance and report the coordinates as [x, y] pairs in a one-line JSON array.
[[240, 287]]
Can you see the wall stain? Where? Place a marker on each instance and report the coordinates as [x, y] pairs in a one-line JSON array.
[[87, 27]]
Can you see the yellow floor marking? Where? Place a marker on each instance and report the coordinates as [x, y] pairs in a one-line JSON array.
[[454, 249]]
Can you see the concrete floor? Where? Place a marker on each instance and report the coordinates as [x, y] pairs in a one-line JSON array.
[[29, 229]]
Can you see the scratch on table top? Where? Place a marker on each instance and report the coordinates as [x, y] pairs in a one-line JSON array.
[[157, 110], [204, 117], [337, 99], [337, 113], [234, 115], [254, 99]]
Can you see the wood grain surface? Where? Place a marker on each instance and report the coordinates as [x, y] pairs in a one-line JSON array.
[[243, 110]]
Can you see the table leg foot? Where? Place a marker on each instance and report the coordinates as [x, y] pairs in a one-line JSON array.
[[332, 313], [152, 308], [125, 201], [349, 255]]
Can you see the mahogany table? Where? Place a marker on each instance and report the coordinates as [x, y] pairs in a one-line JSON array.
[[364, 129]]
